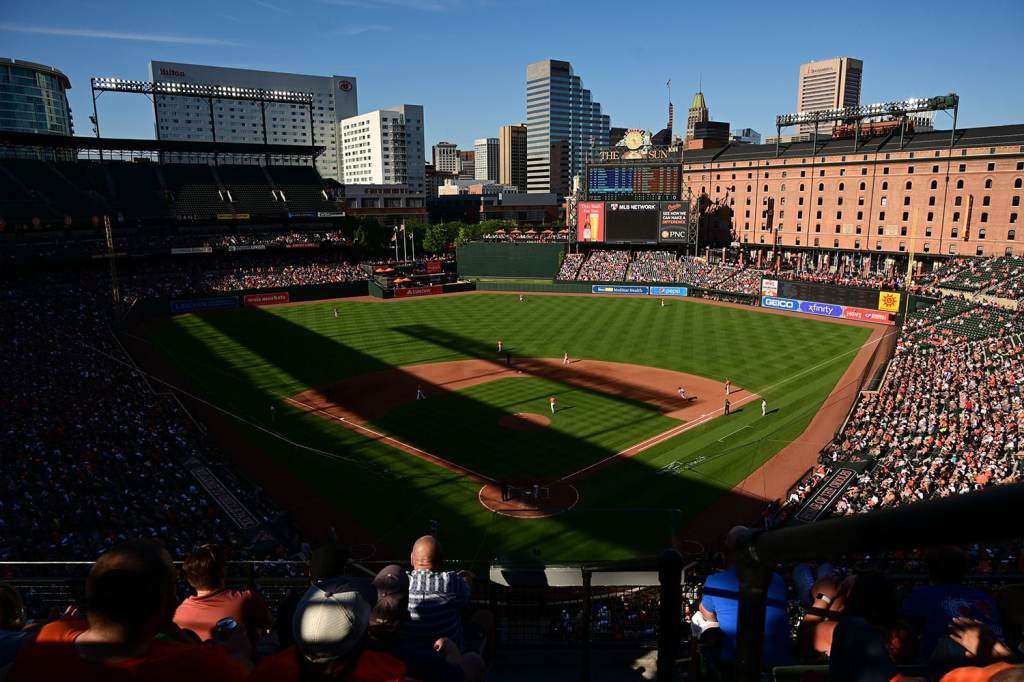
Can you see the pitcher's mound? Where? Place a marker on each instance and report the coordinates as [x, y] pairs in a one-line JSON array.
[[523, 421]]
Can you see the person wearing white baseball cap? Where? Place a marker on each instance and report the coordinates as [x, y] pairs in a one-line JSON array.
[[330, 631]]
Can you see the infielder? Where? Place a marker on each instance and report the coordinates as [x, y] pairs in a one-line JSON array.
[[728, 387], [499, 346], [682, 393], [419, 393], [553, 402], [565, 358]]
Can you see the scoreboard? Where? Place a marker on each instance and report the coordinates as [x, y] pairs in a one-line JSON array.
[[634, 183]]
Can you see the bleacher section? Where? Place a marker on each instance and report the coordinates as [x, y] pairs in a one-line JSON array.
[[302, 188], [249, 187], [137, 191], [193, 191]]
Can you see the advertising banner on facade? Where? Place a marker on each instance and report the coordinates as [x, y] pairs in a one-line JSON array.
[[674, 222], [590, 221], [191, 305], [181, 250], [769, 287], [670, 291], [272, 298], [867, 315], [409, 292], [620, 289], [825, 309], [434, 267], [248, 247], [889, 301]]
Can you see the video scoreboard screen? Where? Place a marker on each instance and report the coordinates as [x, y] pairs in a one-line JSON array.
[[631, 222], [634, 183]]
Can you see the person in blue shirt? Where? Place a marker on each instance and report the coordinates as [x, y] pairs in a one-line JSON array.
[[720, 604]]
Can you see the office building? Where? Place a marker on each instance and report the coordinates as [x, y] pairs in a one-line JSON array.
[[385, 147], [698, 113], [467, 164], [486, 156], [446, 157], [190, 118], [559, 109], [512, 164], [829, 84], [33, 98], [745, 136]]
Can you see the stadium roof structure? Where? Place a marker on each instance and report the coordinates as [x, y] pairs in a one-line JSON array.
[[112, 144], [992, 136]]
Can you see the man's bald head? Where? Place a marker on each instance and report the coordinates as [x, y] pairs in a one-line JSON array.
[[426, 553], [131, 585]]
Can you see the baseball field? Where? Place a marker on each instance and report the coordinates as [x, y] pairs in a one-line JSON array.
[[386, 419]]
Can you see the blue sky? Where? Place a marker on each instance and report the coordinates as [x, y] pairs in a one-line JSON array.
[[465, 60]]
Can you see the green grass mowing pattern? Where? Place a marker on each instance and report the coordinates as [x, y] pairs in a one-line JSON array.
[[594, 423], [246, 360]]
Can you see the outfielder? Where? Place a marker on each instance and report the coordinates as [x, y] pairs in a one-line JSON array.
[[764, 407], [499, 346], [553, 402]]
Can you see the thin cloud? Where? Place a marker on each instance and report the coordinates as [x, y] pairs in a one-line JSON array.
[[117, 35], [357, 29], [269, 5], [420, 5]]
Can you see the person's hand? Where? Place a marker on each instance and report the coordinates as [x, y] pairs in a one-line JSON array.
[[977, 640]]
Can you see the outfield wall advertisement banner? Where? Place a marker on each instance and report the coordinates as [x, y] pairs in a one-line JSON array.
[[590, 222], [273, 298], [182, 250], [826, 309], [409, 292], [191, 305], [670, 291], [620, 289], [769, 287]]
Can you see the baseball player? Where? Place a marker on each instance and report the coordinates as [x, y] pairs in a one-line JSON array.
[[565, 358], [662, 303], [727, 406], [522, 299], [419, 393], [499, 346], [553, 402], [764, 407], [682, 393], [728, 387], [335, 313]]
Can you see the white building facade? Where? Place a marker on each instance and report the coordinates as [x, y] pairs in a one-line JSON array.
[[487, 157], [189, 118], [384, 147], [446, 157]]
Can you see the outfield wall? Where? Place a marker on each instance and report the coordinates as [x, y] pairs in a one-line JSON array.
[[509, 259]]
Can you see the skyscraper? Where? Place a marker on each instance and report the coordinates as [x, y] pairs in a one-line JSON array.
[[485, 158], [559, 109], [828, 84], [698, 114], [446, 157], [385, 147], [512, 165]]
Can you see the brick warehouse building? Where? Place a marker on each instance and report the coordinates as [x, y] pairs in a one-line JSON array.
[[927, 197]]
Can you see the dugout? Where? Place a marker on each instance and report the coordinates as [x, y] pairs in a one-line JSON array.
[[510, 259]]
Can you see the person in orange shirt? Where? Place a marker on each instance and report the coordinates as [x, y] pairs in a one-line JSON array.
[[127, 634], [206, 571], [330, 626]]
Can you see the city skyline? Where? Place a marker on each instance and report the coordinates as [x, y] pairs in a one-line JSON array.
[[747, 85]]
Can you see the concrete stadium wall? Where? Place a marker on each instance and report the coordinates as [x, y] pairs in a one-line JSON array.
[[509, 259]]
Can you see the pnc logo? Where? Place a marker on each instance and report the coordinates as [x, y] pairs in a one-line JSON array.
[[171, 72], [344, 86]]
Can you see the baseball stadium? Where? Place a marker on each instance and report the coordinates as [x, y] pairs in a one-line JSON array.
[[229, 358]]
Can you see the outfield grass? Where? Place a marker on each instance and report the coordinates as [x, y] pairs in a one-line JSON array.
[[247, 360]]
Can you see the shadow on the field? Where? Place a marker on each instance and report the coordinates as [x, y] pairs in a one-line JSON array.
[[608, 519]]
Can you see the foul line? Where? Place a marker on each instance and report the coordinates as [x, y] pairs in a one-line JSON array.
[[733, 433], [671, 433], [405, 447]]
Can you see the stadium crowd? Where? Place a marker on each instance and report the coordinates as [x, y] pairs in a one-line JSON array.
[[616, 265]]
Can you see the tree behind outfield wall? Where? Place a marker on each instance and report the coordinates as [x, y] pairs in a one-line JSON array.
[[436, 238]]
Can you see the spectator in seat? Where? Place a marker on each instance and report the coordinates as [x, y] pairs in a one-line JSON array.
[[720, 604], [930, 609], [206, 571], [13, 634], [127, 634], [437, 598], [327, 562], [330, 631]]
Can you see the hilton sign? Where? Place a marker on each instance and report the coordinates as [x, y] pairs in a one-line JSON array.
[[171, 72]]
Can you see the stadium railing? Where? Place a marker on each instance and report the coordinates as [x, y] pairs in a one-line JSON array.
[[988, 515]]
